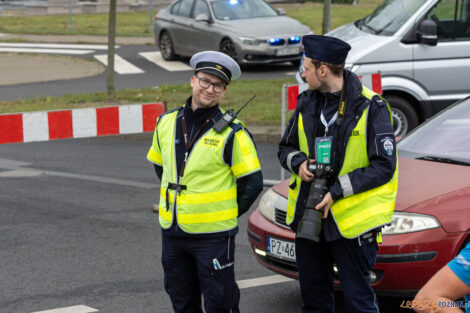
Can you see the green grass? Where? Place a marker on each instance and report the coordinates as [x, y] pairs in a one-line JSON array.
[[127, 24], [265, 109], [137, 23]]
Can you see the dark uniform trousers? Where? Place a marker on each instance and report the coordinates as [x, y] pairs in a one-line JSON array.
[[189, 268], [353, 258]]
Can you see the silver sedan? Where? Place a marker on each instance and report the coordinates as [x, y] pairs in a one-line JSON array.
[[250, 31]]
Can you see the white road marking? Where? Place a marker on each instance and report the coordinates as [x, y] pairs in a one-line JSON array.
[[261, 281], [121, 66], [52, 51], [21, 173], [12, 164], [54, 45], [70, 309], [291, 73], [171, 66], [17, 169]]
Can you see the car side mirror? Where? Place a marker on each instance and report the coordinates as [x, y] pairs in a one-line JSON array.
[[281, 11], [203, 18], [427, 32]]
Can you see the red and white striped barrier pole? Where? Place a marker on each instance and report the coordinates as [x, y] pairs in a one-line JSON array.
[[373, 82], [79, 123]]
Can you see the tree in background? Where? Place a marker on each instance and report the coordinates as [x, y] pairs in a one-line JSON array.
[[326, 24], [111, 90]]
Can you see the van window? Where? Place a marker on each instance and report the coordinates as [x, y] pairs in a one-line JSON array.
[[452, 18], [388, 17]]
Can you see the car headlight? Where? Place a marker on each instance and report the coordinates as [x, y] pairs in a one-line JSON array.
[[409, 222], [251, 41], [266, 204]]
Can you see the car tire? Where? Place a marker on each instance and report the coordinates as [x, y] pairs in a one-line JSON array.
[[228, 47], [404, 116], [166, 46]]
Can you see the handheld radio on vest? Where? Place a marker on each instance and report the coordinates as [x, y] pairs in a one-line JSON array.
[[228, 118]]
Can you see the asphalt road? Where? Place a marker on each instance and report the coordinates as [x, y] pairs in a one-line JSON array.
[[76, 228], [153, 75]]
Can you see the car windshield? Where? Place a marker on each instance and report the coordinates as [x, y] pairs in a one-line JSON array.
[[444, 138], [388, 17], [240, 9]]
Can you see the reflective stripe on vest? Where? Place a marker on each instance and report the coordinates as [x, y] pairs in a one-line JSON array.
[[295, 181], [365, 211], [209, 204]]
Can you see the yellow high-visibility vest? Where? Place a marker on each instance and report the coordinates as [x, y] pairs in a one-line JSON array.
[[209, 202], [357, 213]]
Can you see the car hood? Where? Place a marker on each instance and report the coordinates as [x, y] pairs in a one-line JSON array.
[[438, 189], [364, 45], [426, 187], [266, 27]]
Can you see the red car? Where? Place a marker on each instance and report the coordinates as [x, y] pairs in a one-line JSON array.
[[431, 222]]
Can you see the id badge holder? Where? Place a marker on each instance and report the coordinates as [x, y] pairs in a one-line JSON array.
[[323, 149]]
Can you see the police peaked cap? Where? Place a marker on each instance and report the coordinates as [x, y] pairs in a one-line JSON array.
[[216, 63], [326, 49]]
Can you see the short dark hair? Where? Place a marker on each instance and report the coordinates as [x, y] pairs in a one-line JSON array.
[[336, 69]]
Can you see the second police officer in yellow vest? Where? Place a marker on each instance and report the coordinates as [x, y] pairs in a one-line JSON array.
[[208, 179], [348, 127]]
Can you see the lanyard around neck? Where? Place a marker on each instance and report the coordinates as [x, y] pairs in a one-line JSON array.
[[189, 142], [323, 120]]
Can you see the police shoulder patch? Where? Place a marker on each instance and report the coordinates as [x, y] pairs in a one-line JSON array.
[[388, 145]]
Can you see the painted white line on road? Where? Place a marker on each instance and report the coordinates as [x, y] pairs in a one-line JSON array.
[[12, 164], [17, 170], [121, 66], [291, 73], [54, 45], [261, 281], [51, 51], [21, 173], [70, 309], [171, 66]]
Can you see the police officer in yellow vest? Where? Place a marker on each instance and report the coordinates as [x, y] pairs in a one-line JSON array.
[[208, 179], [341, 124]]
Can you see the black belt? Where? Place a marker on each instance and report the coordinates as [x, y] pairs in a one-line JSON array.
[[176, 187]]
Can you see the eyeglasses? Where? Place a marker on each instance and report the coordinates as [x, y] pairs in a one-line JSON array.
[[205, 83]]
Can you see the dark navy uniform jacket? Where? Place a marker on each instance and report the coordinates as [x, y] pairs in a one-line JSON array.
[[379, 130], [248, 187]]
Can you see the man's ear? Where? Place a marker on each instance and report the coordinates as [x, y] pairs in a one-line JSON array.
[[324, 70]]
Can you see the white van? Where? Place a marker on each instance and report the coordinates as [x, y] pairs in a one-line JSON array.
[[422, 49]]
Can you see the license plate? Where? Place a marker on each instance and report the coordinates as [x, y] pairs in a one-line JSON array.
[[287, 51], [281, 249]]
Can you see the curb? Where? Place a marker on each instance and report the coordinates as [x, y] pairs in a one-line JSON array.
[[257, 137], [131, 122]]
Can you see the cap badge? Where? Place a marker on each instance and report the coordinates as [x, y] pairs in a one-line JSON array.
[[218, 66]]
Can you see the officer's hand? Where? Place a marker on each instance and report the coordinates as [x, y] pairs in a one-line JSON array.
[[304, 173], [325, 204]]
